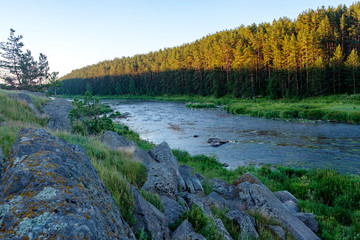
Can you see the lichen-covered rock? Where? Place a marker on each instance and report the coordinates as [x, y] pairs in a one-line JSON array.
[[173, 210], [163, 174], [259, 199], [25, 98], [223, 188], [193, 199], [58, 111], [186, 232], [291, 206], [247, 177], [192, 183], [309, 220], [278, 231], [149, 218], [222, 230], [50, 189], [117, 142], [245, 222], [214, 199]]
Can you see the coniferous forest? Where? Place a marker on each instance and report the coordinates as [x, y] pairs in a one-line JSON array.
[[315, 54]]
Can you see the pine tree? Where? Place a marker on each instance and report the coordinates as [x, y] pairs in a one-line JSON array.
[[353, 64]]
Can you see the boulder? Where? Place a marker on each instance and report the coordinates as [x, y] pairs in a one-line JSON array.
[[163, 173], [186, 232], [214, 199], [51, 189], [285, 196], [200, 177], [149, 218], [259, 199], [143, 157], [27, 99], [291, 206], [58, 111], [247, 177], [309, 220], [222, 230], [173, 210], [117, 142], [245, 222], [193, 199], [192, 183], [278, 231], [216, 142], [223, 188]]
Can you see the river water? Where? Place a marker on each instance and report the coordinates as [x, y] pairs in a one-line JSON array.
[[309, 144]]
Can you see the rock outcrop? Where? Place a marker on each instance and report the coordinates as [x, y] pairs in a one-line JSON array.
[[58, 111], [222, 230], [27, 99], [117, 142], [192, 183], [172, 209], [148, 218], [163, 176], [245, 222], [186, 232], [259, 199], [51, 190]]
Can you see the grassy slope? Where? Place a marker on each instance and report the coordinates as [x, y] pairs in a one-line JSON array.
[[332, 197], [338, 108]]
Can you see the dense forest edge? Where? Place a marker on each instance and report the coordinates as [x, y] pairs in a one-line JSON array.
[[330, 196], [317, 54]]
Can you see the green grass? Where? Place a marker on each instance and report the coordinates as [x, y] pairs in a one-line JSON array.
[[200, 105]]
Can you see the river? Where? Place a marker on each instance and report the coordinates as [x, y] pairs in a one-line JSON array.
[[306, 144]]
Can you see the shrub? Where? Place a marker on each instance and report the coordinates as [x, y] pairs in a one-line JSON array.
[[85, 119]]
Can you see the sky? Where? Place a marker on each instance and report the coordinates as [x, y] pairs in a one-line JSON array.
[[77, 33]]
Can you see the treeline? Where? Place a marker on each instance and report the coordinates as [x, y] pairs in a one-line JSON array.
[[316, 54]]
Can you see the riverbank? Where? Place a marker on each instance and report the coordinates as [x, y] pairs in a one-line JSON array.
[[337, 108], [331, 196]]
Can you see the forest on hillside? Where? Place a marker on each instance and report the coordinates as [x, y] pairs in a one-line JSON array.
[[315, 54]]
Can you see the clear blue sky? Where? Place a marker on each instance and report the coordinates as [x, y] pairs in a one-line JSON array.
[[76, 33]]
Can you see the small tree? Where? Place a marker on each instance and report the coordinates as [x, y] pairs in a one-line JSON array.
[[85, 119], [353, 64]]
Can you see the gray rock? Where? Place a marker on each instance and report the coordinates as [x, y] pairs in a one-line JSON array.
[[192, 183], [222, 230], [143, 157], [285, 196], [27, 99], [50, 188], [173, 210], [163, 174], [58, 111], [216, 142], [259, 199], [186, 232], [309, 220], [149, 218], [116, 142], [200, 177], [245, 222], [223, 188], [247, 177], [291, 206], [278, 231], [193, 199], [2, 159], [214, 199]]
